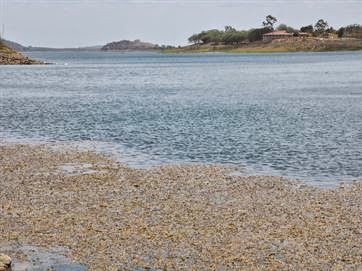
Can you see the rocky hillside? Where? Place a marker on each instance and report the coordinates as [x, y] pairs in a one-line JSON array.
[[11, 57], [127, 45], [14, 45]]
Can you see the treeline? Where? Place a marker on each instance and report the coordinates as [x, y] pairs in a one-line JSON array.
[[321, 28], [350, 31], [231, 36], [228, 36]]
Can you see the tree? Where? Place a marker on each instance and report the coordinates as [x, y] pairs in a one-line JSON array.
[[257, 34], [229, 29], [331, 30], [195, 39], [282, 27], [286, 28], [270, 21], [234, 37], [205, 37], [353, 31], [321, 26], [340, 32], [307, 29]]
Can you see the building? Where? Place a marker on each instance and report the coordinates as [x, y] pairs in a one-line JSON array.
[[277, 35], [304, 34]]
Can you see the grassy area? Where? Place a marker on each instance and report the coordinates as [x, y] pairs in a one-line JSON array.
[[230, 50], [6, 50]]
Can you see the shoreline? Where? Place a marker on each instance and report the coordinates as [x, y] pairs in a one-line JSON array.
[[110, 216], [122, 155], [276, 46], [11, 57], [253, 51]]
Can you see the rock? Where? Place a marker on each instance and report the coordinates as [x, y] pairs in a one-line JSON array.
[[11, 57], [5, 262]]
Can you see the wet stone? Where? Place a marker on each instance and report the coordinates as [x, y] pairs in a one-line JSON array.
[[5, 262]]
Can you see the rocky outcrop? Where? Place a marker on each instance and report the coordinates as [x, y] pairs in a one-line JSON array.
[[11, 57], [5, 262], [127, 45], [17, 59]]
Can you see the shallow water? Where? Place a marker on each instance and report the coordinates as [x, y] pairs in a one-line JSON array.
[[38, 259], [295, 115]]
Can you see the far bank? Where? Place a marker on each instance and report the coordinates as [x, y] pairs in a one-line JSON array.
[[276, 46]]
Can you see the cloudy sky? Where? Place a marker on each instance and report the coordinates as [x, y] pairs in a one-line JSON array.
[[71, 23]]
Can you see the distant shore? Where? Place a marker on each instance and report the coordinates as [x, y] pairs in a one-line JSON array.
[[276, 46], [109, 216]]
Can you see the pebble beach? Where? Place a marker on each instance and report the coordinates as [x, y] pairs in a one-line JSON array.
[[106, 215]]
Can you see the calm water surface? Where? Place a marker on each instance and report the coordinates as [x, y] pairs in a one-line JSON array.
[[295, 115]]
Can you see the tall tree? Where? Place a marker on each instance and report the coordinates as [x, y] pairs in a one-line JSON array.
[[229, 28], [195, 39], [270, 21], [321, 26], [307, 29]]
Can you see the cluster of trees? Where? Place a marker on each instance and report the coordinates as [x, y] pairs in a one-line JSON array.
[[228, 36], [322, 28], [231, 36], [350, 31]]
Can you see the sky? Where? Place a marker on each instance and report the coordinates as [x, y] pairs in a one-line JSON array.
[[74, 23]]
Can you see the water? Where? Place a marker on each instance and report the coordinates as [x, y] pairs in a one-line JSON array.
[[37, 259], [294, 115]]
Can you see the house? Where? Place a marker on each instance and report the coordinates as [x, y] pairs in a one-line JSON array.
[[304, 34], [277, 35]]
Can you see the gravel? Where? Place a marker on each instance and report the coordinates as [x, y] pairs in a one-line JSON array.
[[110, 216]]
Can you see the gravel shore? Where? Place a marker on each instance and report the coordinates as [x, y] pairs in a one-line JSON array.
[[109, 216]]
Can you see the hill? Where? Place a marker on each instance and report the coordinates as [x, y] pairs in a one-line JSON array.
[[123, 45], [127, 45], [21, 48], [9, 56], [14, 45]]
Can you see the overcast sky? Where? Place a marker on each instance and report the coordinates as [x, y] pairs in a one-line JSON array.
[[72, 23]]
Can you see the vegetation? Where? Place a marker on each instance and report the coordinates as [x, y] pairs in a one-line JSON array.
[[319, 36], [350, 31], [4, 49], [289, 29], [231, 36], [127, 45], [320, 26], [269, 22], [9, 56]]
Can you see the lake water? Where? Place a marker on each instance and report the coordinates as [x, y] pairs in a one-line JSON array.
[[295, 115]]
